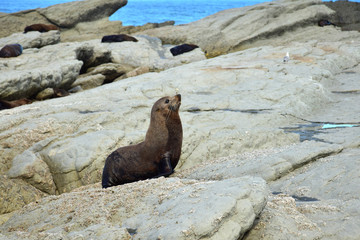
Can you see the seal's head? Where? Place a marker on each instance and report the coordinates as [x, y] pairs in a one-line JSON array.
[[166, 106]]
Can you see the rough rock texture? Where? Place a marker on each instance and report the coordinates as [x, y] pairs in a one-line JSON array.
[[282, 219], [91, 30], [68, 14], [333, 180], [32, 39], [59, 65], [64, 15], [35, 70], [78, 20], [267, 167], [235, 29], [230, 105], [325, 190], [294, 124], [347, 14], [153, 209], [15, 193]]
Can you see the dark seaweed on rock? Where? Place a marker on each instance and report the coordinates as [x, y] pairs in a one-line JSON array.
[[182, 49]]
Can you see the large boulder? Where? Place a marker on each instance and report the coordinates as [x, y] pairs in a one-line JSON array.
[[239, 28], [169, 209], [347, 14], [35, 70], [78, 20], [231, 104], [59, 65], [65, 15], [32, 39]]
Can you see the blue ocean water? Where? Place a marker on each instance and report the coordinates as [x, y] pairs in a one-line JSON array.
[[139, 12]]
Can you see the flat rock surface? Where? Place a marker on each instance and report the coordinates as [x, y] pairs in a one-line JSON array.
[[233, 103], [291, 126], [159, 208], [236, 29], [320, 199]]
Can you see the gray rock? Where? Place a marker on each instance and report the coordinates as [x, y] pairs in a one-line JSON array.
[[169, 208], [268, 167], [149, 52], [235, 29], [281, 219], [65, 15], [134, 73], [110, 71], [78, 20], [347, 14], [45, 94], [15, 193], [230, 105], [32, 39], [68, 14], [35, 75], [89, 81], [58, 66], [34, 170], [334, 182]]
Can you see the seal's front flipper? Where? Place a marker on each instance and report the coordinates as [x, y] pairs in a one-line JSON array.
[[165, 168]]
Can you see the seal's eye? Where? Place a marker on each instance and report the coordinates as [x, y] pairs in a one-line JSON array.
[[167, 101]]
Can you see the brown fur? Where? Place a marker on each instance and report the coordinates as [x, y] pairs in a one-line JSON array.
[[60, 92], [157, 155], [40, 28], [11, 104], [11, 50]]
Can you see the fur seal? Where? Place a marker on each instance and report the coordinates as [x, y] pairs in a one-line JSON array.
[[15, 103], [157, 155], [324, 22], [40, 28], [118, 38], [180, 49], [11, 50]]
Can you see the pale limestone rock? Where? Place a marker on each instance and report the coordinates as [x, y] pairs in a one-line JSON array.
[[65, 15], [69, 14], [58, 66], [32, 39], [31, 167], [235, 29], [15, 193], [230, 105], [267, 167], [89, 81], [45, 94], [169, 208]]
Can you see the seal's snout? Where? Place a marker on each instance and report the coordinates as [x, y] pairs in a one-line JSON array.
[[178, 96]]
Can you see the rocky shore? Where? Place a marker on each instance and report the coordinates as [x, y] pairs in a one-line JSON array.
[[270, 150]]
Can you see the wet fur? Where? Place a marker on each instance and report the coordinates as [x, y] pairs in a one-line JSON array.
[[157, 156]]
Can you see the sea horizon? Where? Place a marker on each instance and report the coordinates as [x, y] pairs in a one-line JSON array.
[[140, 12]]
